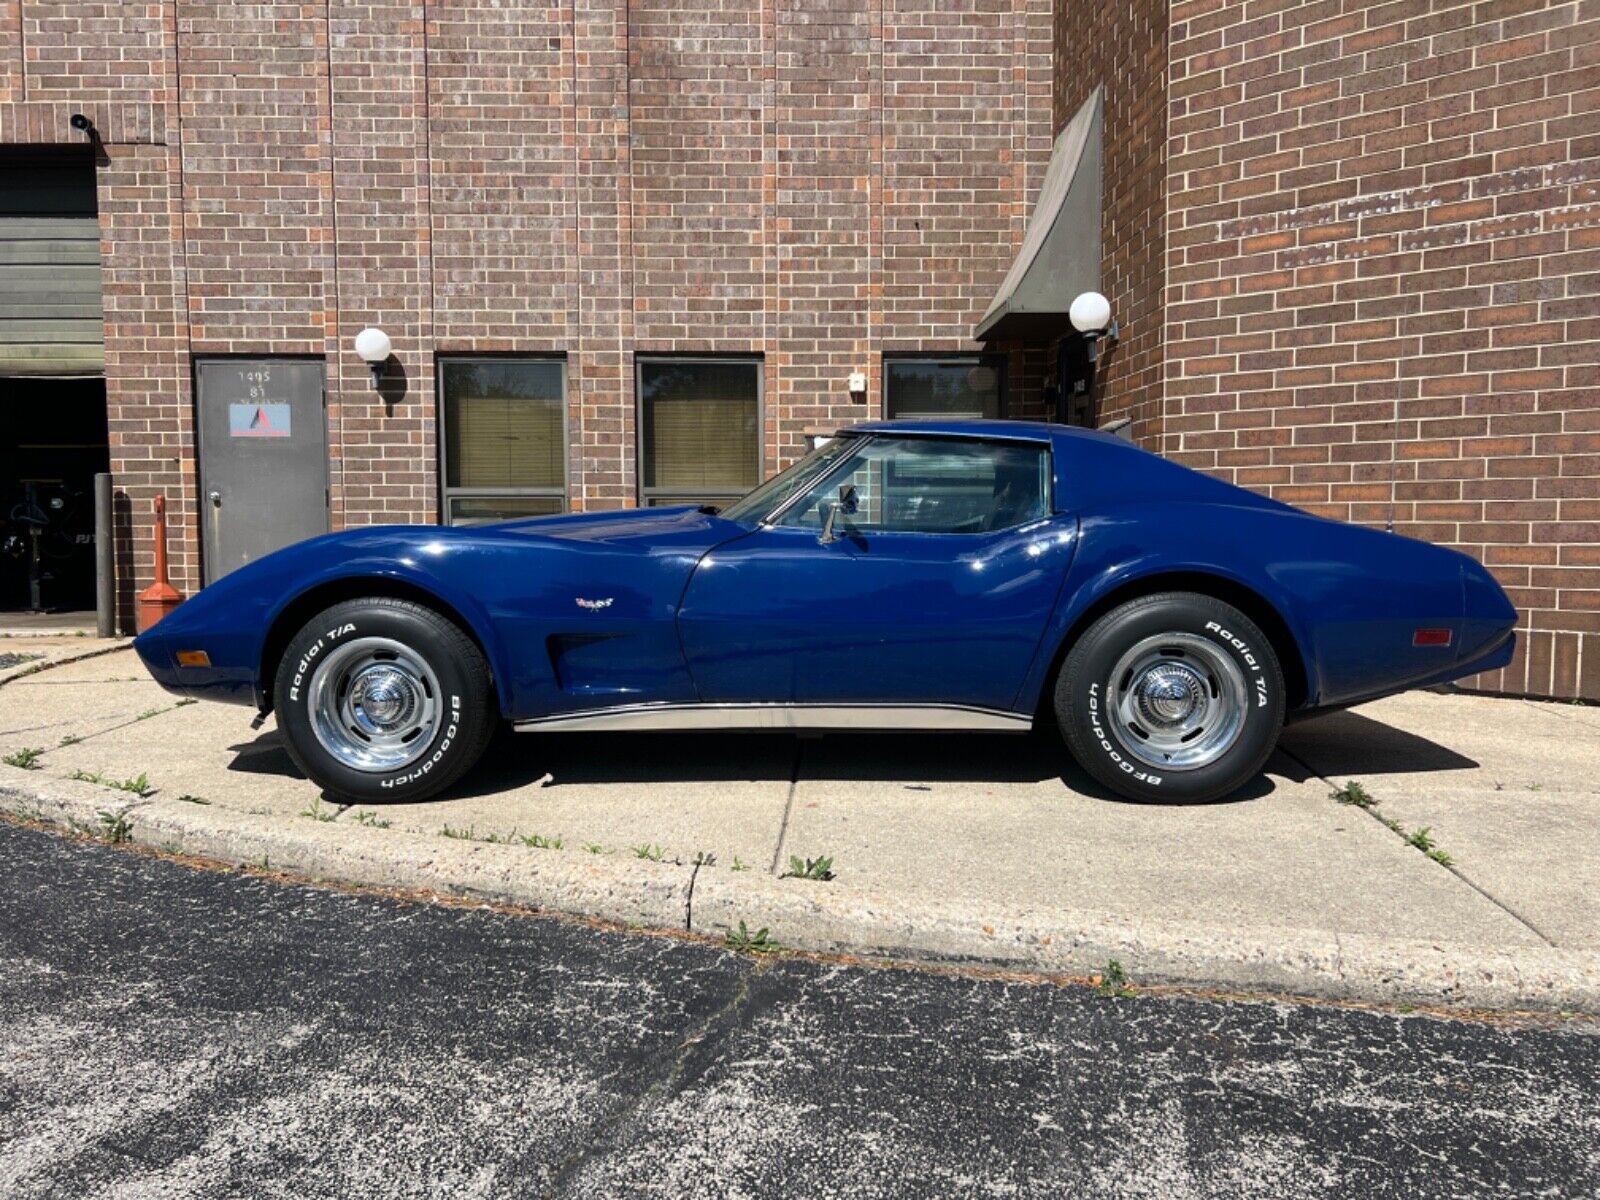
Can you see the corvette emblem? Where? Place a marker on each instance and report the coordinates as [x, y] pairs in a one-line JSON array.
[[606, 603]]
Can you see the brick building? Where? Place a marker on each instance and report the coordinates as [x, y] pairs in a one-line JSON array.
[[1360, 245], [631, 253]]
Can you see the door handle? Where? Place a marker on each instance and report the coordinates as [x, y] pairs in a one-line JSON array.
[[216, 499]]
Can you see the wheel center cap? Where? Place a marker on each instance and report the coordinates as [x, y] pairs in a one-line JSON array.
[[382, 699], [1169, 694]]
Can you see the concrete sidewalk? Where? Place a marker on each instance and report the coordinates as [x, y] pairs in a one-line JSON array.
[[993, 849]]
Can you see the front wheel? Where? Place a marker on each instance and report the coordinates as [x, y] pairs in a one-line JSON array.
[[383, 699], [1175, 696]]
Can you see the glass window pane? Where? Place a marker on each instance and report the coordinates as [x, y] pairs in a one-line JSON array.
[[503, 424], [480, 510], [933, 485], [944, 387], [700, 431]]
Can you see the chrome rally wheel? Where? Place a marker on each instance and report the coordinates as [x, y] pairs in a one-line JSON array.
[[1174, 696], [375, 704], [1177, 701]]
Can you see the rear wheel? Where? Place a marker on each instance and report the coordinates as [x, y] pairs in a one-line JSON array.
[[383, 699], [1175, 696]]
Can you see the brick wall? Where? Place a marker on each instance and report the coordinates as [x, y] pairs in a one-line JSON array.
[[812, 180], [1383, 265], [1122, 46]]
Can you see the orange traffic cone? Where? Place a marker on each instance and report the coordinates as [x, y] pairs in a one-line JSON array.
[[160, 598]]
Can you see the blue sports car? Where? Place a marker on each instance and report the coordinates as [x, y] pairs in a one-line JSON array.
[[922, 575]]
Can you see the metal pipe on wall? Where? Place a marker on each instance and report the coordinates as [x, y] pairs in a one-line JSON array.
[[105, 579]]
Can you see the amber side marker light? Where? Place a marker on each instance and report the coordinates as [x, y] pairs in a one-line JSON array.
[[1431, 637], [193, 658]]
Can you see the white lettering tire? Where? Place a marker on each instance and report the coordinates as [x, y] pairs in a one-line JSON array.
[[383, 700], [1172, 697]]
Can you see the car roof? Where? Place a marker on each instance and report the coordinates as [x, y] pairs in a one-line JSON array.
[[1021, 431]]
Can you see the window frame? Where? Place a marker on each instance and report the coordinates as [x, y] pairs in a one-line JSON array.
[[999, 363], [442, 425], [659, 497], [774, 518]]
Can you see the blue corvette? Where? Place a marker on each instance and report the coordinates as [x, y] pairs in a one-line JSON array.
[[931, 575]]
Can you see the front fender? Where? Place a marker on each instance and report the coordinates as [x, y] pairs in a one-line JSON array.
[[230, 619]]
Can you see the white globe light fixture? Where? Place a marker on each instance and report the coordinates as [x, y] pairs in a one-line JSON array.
[[1090, 314], [374, 347]]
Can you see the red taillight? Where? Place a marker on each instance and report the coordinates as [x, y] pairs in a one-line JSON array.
[[1431, 637]]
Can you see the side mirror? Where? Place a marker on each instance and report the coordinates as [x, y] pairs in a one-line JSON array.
[[846, 504]]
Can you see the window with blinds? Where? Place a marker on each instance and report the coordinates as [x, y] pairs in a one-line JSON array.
[[699, 429], [504, 439], [969, 385]]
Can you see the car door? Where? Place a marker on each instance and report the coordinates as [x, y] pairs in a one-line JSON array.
[[935, 590]]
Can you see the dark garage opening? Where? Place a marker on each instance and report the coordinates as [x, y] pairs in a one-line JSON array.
[[53, 438], [52, 444]]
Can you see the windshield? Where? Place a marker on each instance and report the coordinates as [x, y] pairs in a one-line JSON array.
[[784, 484]]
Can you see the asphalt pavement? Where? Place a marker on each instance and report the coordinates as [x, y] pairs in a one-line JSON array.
[[174, 1031]]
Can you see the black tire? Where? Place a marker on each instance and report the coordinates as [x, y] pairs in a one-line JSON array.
[[450, 679], [1104, 733]]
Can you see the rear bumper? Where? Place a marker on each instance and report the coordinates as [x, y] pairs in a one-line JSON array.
[[1493, 659]]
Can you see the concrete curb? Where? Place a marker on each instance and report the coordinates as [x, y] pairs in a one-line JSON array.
[[47, 660], [833, 918]]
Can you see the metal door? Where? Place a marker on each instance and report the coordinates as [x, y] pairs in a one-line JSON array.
[[263, 458]]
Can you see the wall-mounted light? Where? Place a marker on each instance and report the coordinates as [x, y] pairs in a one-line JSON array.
[[1090, 315], [374, 348], [857, 384]]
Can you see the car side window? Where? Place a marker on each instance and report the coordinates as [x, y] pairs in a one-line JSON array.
[[932, 485]]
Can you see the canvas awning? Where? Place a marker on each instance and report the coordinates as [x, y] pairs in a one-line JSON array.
[[1060, 254]]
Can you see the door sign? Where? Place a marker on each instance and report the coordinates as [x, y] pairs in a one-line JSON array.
[[258, 420]]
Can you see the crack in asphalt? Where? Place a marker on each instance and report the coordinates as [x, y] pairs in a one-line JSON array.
[[1451, 869], [605, 1140]]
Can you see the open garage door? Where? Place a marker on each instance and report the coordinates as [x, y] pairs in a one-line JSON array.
[[50, 319], [53, 437]]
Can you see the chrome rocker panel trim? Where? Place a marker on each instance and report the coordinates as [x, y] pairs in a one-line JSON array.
[[905, 717]]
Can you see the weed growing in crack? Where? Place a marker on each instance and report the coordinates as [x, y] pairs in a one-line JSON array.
[[704, 858], [651, 853], [1422, 839], [538, 841], [188, 799], [1353, 793], [818, 870], [738, 865], [115, 826], [743, 941], [27, 758], [1113, 982], [139, 785], [460, 835], [594, 847], [317, 813], [372, 820], [70, 739]]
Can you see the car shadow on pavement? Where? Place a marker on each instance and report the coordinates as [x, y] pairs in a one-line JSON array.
[[1336, 745], [1343, 744], [717, 756]]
